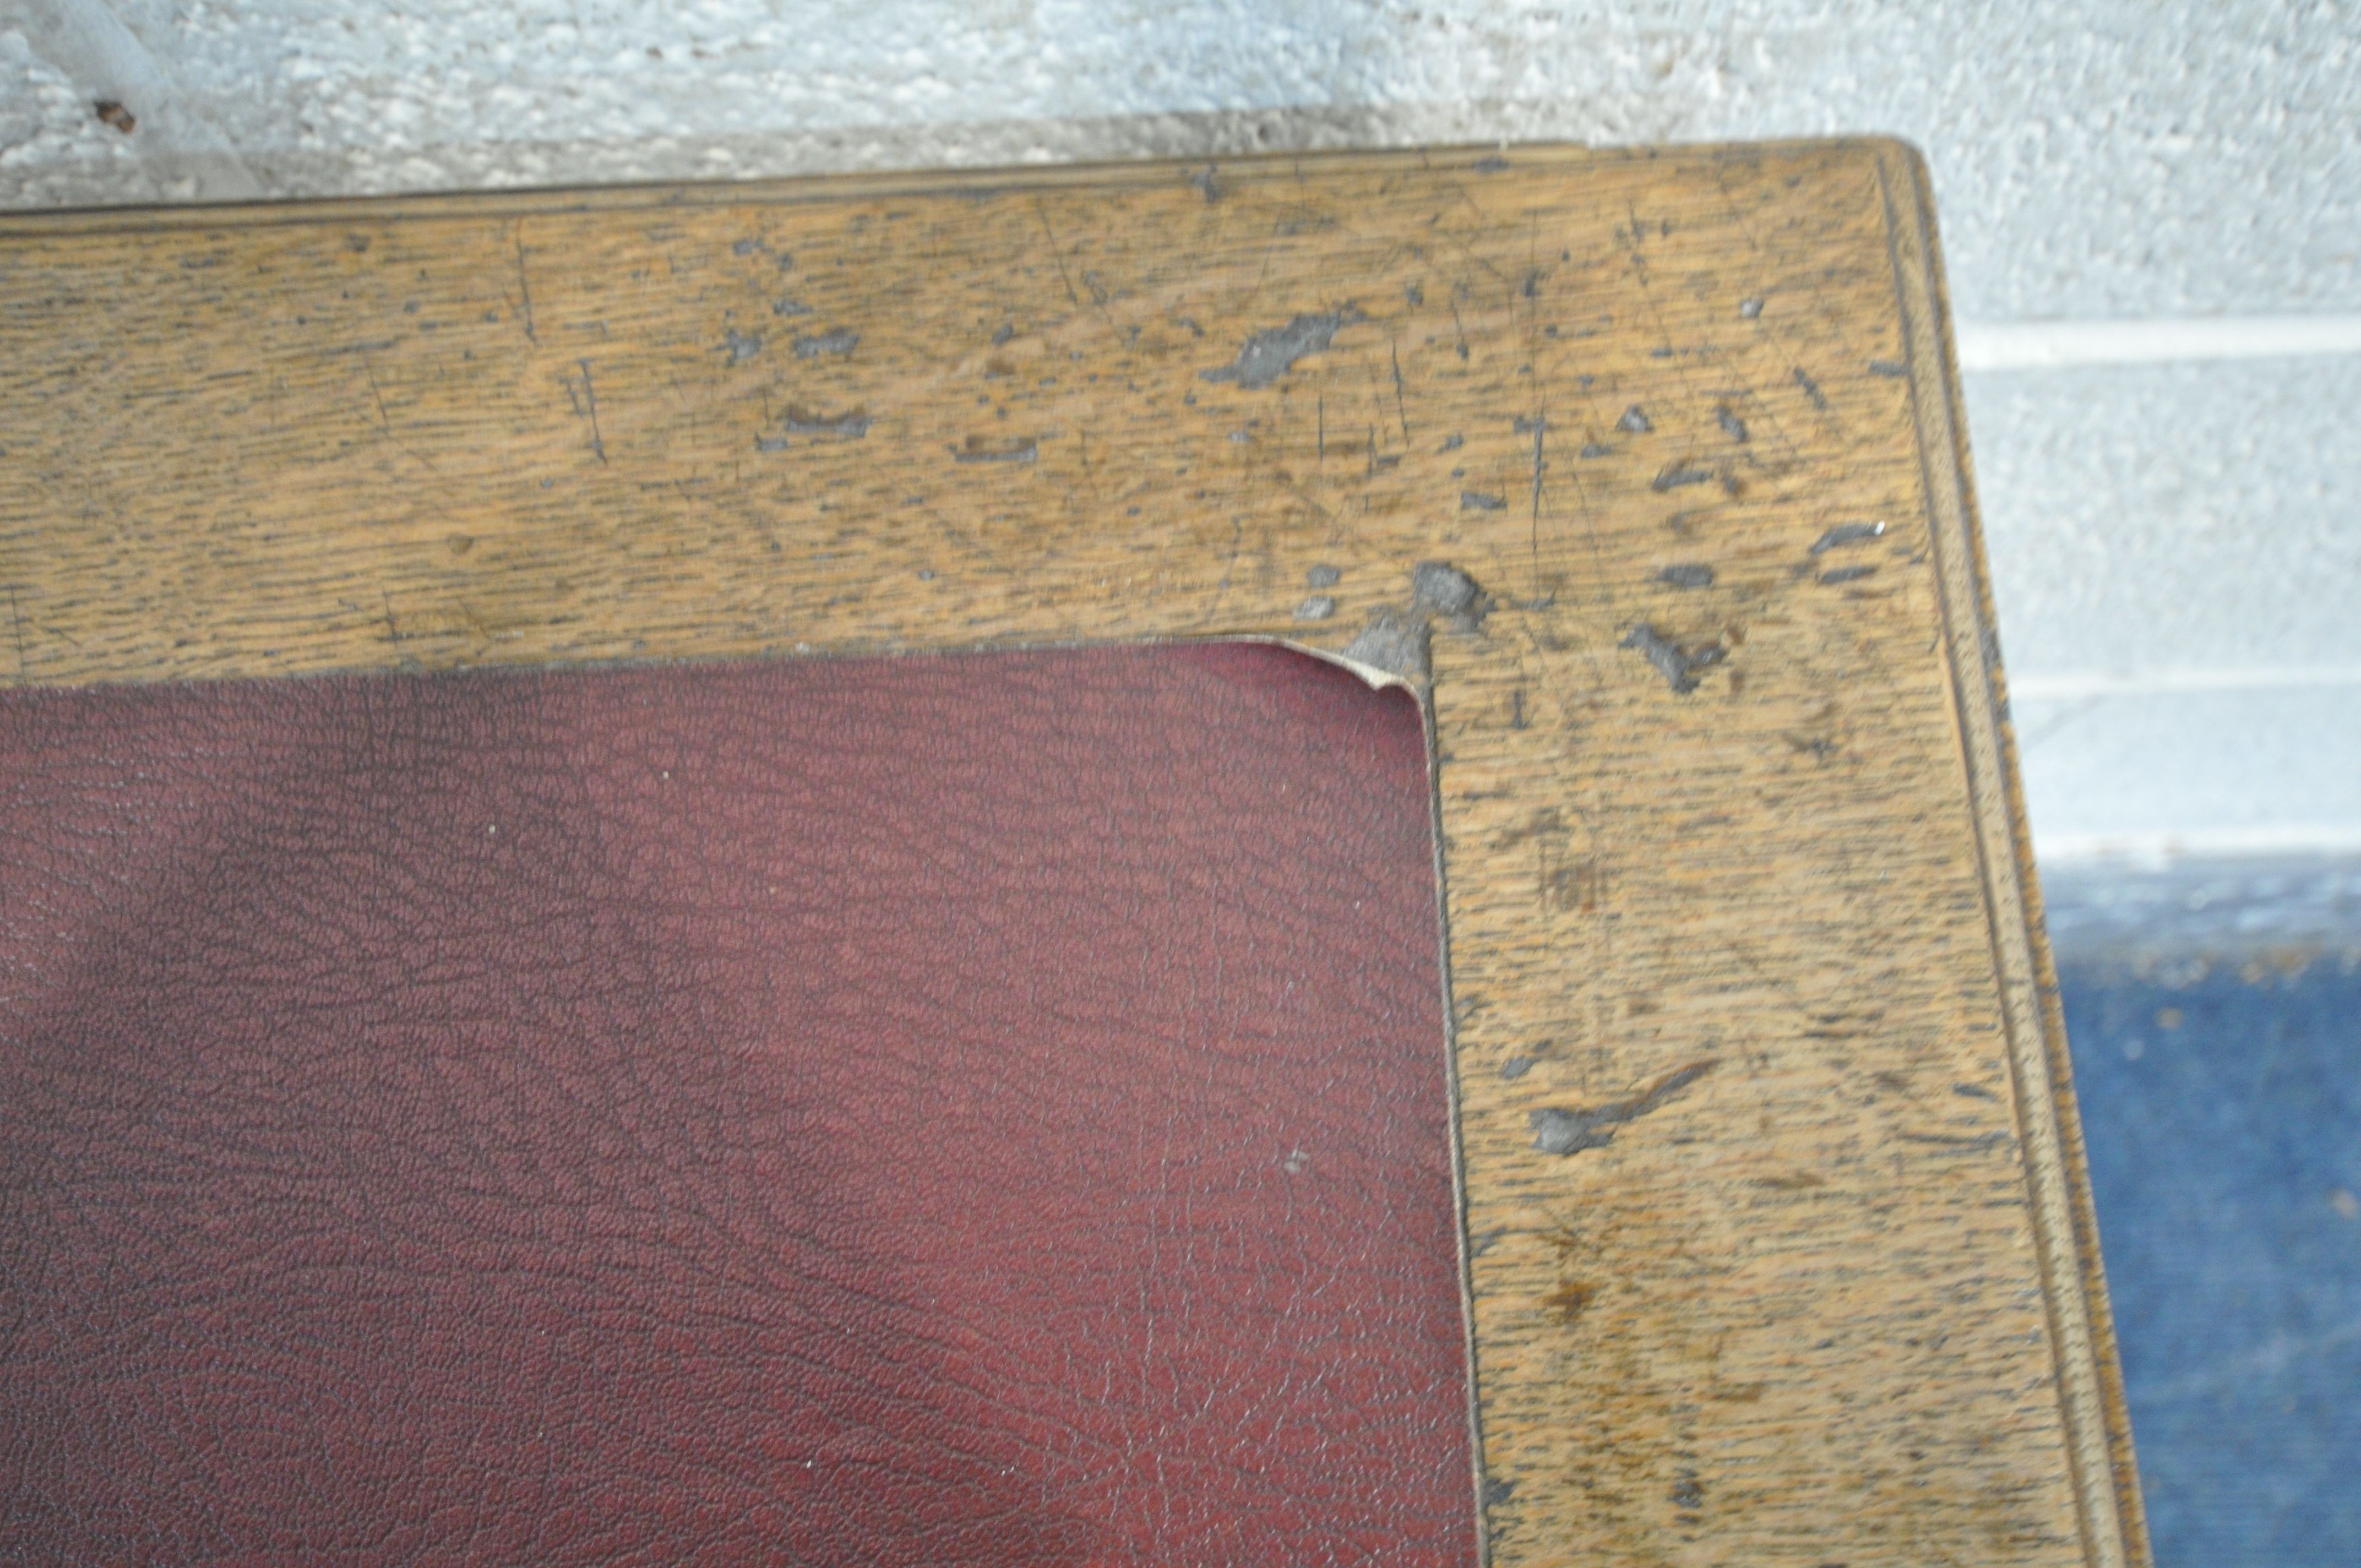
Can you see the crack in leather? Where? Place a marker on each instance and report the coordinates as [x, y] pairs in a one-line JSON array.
[[948, 1109]]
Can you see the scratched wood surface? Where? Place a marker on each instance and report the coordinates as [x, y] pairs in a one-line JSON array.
[[1779, 1248]]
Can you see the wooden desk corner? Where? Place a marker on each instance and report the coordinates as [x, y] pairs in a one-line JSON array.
[[1779, 1249]]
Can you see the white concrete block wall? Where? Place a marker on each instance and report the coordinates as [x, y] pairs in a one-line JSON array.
[[2152, 216]]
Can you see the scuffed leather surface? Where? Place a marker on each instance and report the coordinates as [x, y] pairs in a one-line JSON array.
[[968, 1110]]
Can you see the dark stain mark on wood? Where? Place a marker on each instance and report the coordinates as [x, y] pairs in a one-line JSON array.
[[1680, 474], [1561, 1131], [802, 420], [1678, 664], [1570, 887], [1476, 500], [1732, 425], [1272, 353], [1845, 575], [1956, 1141], [1795, 1181], [1846, 533], [784, 306], [1546, 823], [989, 449], [1634, 422], [842, 340], [1497, 1491], [1688, 575], [740, 345], [1516, 1068], [1888, 367], [1811, 389], [1569, 1301], [1322, 577]]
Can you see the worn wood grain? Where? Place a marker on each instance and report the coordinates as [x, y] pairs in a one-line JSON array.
[[1813, 1280]]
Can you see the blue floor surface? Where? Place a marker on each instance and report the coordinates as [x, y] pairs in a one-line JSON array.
[[2224, 1120]]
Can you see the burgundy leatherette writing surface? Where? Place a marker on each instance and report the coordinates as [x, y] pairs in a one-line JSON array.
[[987, 1109]]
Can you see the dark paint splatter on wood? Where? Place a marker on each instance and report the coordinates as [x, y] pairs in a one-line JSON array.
[[1560, 1131], [1438, 588], [807, 422], [1846, 533], [1394, 642], [1272, 353], [1678, 665], [985, 449], [841, 341]]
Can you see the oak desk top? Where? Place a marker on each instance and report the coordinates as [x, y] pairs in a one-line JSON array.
[[1646, 469]]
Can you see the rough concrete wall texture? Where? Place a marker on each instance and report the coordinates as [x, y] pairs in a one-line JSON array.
[[2176, 545]]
